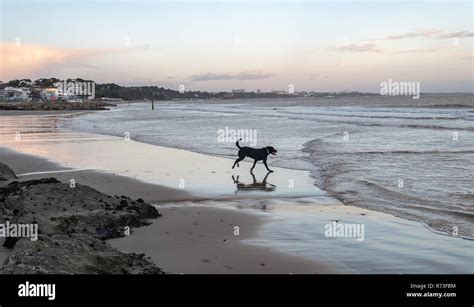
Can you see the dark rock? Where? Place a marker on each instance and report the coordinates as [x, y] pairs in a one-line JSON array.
[[6, 173], [123, 204], [79, 254], [10, 242], [72, 239]]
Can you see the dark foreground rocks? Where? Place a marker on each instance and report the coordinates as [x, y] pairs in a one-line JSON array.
[[6, 173], [73, 224]]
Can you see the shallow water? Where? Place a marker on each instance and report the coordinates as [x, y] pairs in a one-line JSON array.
[[410, 158]]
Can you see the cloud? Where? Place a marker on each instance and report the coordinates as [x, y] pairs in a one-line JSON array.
[[246, 75], [455, 34], [417, 33], [26, 59], [89, 66], [427, 33], [357, 48], [417, 50]]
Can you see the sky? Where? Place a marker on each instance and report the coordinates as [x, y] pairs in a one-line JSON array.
[[224, 45]]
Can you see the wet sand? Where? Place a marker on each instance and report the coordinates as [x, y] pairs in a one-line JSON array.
[[183, 240], [199, 239], [111, 184]]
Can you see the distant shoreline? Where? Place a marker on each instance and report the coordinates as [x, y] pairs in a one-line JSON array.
[[40, 112]]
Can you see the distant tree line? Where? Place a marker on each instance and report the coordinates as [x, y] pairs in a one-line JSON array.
[[112, 90]]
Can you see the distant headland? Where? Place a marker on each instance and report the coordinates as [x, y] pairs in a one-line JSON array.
[[54, 89]]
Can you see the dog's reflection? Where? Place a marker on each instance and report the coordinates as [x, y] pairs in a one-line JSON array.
[[255, 185]]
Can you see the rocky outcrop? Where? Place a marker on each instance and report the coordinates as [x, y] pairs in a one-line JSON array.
[[73, 224], [6, 173], [77, 254], [61, 105]]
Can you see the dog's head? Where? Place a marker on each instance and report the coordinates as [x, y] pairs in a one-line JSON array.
[[271, 150]]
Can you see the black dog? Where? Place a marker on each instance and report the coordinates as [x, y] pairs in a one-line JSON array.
[[256, 154]]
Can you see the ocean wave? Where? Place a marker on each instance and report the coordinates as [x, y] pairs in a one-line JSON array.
[[437, 127], [379, 145]]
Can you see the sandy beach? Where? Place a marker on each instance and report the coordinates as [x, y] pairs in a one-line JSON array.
[[110, 184], [200, 239], [184, 240]]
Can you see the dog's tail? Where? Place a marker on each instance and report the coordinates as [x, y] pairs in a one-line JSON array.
[[237, 143]]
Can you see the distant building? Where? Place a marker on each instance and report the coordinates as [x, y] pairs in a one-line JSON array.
[[49, 93], [74, 91], [17, 94], [238, 91]]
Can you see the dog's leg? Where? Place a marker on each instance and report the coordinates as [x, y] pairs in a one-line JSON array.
[[265, 179], [237, 162], [265, 163], [254, 162]]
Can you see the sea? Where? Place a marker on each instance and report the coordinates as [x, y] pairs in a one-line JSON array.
[[411, 158]]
